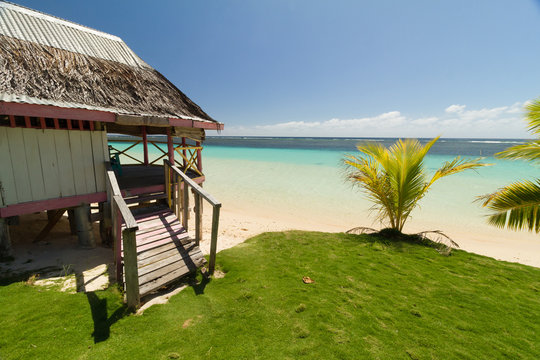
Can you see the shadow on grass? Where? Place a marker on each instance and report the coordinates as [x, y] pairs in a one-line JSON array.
[[389, 238], [199, 286], [101, 318], [7, 277]]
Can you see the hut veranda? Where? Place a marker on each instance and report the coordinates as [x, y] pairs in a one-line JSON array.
[[65, 89]]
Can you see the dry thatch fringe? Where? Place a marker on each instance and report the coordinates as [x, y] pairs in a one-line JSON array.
[[45, 72], [443, 242]]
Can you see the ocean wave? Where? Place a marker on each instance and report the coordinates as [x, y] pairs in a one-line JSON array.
[[496, 142]]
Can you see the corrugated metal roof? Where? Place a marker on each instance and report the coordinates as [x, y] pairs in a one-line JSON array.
[[30, 25]]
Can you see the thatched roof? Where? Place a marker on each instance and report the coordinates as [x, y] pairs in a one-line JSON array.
[[50, 61]]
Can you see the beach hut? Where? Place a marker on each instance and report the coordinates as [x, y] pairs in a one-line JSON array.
[[64, 89]]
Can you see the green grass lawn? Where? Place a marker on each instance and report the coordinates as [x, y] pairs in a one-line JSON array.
[[369, 300]]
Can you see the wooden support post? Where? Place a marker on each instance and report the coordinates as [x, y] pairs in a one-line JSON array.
[[199, 157], [185, 206], [131, 270], [105, 224], [170, 146], [83, 224], [71, 218], [5, 241], [145, 145], [184, 152], [56, 216], [213, 240], [198, 217]]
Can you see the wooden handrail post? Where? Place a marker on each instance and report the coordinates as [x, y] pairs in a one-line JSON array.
[[117, 238], [185, 205], [198, 217], [166, 170], [213, 240], [184, 152], [130, 264], [199, 194], [178, 198], [199, 156]]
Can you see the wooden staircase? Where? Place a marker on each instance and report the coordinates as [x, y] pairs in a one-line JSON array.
[[152, 247], [165, 252]]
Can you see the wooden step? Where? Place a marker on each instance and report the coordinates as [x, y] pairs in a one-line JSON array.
[[165, 252], [162, 247], [144, 198], [166, 275], [162, 259]]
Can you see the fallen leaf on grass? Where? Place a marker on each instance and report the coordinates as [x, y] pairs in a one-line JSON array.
[[307, 280]]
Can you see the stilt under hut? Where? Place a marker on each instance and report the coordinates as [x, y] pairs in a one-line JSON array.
[[63, 88]]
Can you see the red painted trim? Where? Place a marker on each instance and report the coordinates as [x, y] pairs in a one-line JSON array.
[[195, 124], [51, 204], [81, 125], [11, 120], [91, 125], [56, 123], [69, 124], [42, 122], [49, 111], [145, 144], [170, 146], [27, 122]]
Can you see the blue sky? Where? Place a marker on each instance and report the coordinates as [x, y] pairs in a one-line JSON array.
[[459, 68]]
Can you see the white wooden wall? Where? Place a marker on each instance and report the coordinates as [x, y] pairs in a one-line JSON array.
[[38, 164]]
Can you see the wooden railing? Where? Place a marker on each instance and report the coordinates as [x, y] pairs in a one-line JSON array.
[[177, 189], [190, 156], [120, 213]]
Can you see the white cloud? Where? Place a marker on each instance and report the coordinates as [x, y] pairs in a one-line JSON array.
[[455, 121], [455, 108]]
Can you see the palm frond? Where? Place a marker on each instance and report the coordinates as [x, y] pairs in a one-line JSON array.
[[458, 164], [529, 151], [533, 116], [516, 206]]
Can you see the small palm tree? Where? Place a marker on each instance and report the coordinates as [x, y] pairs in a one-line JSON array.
[[517, 206], [394, 178]]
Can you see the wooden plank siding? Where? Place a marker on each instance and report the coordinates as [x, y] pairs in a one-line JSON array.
[[99, 157], [8, 193], [76, 150], [87, 160], [18, 161], [44, 164], [49, 164], [66, 177], [33, 162]]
